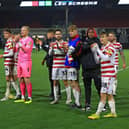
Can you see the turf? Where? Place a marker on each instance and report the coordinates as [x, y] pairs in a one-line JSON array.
[[41, 115]]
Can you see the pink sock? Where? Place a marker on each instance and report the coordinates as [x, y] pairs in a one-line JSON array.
[[23, 88], [29, 89]]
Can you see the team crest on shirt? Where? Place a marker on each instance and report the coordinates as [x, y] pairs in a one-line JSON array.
[[109, 52], [10, 45], [30, 43]]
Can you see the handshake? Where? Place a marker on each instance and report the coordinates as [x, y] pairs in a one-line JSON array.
[[94, 47]]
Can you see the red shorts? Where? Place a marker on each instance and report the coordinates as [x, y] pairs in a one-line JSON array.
[[24, 69]]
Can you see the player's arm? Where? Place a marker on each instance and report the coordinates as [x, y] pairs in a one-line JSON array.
[[65, 47], [105, 56], [96, 56], [26, 48], [122, 57]]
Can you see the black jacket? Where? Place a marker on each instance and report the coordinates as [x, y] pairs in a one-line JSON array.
[[45, 47], [86, 57]]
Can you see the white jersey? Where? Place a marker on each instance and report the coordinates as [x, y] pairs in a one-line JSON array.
[[8, 53], [108, 66]]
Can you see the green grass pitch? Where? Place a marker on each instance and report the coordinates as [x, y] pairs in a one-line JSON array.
[[41, 115]]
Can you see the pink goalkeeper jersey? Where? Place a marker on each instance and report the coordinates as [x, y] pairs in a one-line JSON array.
[[26, 49]]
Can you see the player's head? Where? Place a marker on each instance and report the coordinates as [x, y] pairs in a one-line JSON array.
[[50, 34], [25, 31], [103, 38], [7, 33], [91, 33], [58, 34], [111, 36], [73, 31]]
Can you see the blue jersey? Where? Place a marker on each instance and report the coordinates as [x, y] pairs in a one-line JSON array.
[[74, 63]]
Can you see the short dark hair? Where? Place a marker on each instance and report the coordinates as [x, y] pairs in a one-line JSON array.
[[58, 30], [7, 30], [50, 31], [103, 33]]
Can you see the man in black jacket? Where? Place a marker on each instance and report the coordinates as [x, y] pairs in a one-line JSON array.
[[90, 68], [49, 59]]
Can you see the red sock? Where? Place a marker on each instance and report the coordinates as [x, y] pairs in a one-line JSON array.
[[29, 89], [23, 88]]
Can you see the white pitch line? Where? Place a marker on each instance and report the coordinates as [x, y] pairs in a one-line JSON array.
[[62, 91]]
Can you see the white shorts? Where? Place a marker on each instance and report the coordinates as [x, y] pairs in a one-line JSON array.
[[59, 74], [8, 70], [15, 70], [72, 74], [107, 85]]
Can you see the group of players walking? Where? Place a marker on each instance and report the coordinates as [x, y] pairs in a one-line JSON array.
[[98, 58]]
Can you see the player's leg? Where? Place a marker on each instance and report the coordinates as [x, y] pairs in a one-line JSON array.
[[23, 89], [111, 100], [55, 78], [100, 107], [76, 93], [111, 103], [29, 89], [68, 91], [8, 83], [21, 82], [56, 89], [74, 83], [97, 81], [63, 77], [14, 82], [26, 74]]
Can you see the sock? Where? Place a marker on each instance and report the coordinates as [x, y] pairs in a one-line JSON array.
[[56, 88], [100, 107], [77, 98], [23, 88], [112, 106], [68, 92], [23, 97], [29, 90], [15, 86], [7, 93]]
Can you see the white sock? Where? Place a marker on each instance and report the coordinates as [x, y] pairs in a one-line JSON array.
[[23, 97], [7, 93], [112, 106], [100, 107], [77, 97], [114, 86], [56, 88], [15, 86], [68, 92]]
